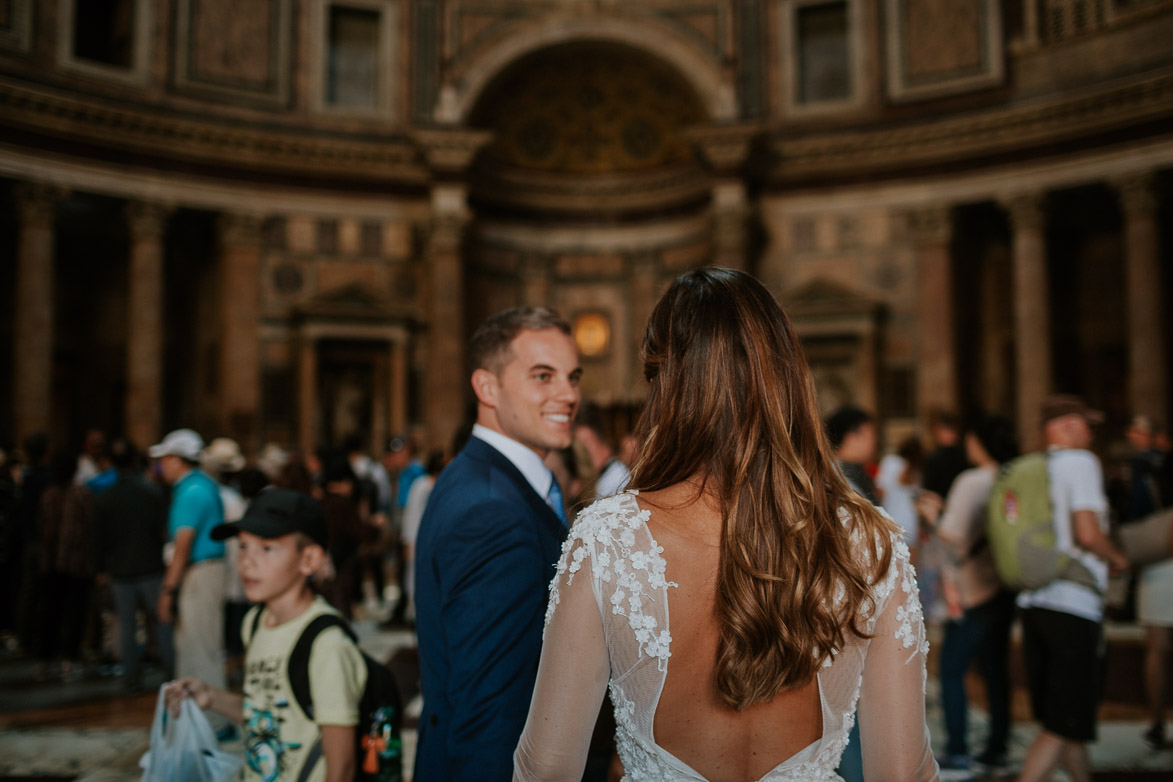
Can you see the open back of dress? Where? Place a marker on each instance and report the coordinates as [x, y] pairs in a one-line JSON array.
[[608, 625]]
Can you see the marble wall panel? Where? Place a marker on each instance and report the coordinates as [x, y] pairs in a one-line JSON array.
[[234, 50], [942, 47]]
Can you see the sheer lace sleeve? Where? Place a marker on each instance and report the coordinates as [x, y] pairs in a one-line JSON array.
[[572, 677], [893, 732]]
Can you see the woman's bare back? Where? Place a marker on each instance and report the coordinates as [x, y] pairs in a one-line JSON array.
[[690, 720]]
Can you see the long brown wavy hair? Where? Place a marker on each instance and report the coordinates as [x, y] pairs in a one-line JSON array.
[[732, 403]]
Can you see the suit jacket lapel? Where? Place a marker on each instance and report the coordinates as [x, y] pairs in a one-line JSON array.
[[479, 449]]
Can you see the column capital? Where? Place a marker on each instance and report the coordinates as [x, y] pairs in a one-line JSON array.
[[37, 202], [1026, 210], [724, 147], [450, 151], [239, 229], [147, 219], [930, 224], [1137, 194]]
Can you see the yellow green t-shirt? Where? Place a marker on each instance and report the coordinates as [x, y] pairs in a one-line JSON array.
[[278, 736]]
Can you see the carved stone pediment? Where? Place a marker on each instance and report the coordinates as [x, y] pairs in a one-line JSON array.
[[822, 297], [350, 303]]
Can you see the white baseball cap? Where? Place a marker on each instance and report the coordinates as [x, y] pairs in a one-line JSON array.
[[183, 443]]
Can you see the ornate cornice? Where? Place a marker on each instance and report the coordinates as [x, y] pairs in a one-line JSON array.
[[979, 135], [138, 131]]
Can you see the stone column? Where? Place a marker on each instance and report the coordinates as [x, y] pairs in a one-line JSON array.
[[449, 152], [307, 393], [398, 370], [240, 320], [1032, 314], [726, 149], [1148, 377], [33, 315], [932, 230], [144, 327]]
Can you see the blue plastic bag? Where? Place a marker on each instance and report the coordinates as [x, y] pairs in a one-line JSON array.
[[184, 748]]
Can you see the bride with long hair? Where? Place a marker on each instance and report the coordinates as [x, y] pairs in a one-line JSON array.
[[744, 605]]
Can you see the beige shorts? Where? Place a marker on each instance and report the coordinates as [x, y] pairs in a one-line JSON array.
[[1149, 540]]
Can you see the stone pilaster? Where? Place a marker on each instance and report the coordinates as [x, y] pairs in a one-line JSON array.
[[932, 230], [307, 394], [398, 379], [240, 320], [643, 294], [144, 328], [447, 381], [1032, 314], [449, 152], [33, 314], [1148, 376], [726, 149]]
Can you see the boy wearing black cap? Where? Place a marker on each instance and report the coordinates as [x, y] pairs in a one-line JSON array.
[[282, 543]]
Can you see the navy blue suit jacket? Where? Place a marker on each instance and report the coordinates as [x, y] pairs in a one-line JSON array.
[[485, 556]]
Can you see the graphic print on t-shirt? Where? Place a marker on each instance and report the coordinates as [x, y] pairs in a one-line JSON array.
[[266, 754]]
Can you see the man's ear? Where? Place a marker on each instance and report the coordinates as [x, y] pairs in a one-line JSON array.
[[484, 385]]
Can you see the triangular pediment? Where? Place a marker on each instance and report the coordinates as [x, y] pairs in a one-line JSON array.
[[353, 302], [822, 295]]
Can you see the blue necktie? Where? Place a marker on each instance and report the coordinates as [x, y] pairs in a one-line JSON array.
[[554, 497]]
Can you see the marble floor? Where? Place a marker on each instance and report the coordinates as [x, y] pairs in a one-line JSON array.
[[90, 730]]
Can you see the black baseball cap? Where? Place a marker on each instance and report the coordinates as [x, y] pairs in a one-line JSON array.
[[277, 512]]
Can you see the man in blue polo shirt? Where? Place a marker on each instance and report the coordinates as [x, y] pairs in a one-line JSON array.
[[193, 586]]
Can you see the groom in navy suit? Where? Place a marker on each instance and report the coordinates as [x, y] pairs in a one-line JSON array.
[[487, 547]]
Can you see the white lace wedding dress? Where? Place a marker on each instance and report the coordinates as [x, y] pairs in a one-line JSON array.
[[607, 622]]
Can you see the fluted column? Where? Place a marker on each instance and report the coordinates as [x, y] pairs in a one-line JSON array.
[[1148, 376], [144, 328], [33, 314], [932, 231], [1032, 314], [449, 152], [240, 321]]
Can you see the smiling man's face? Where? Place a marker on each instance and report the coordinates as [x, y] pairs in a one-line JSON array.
[[534, 397]]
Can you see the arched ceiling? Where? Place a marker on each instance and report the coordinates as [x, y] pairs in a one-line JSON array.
[[588, 108]]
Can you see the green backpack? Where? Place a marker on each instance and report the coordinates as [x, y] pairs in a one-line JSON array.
[[1020, 530]]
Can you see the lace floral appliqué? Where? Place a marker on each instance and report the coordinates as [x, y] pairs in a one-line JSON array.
[[607, 533]]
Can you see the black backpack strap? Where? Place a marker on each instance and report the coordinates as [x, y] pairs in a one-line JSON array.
[[298, 666], [256, 612]]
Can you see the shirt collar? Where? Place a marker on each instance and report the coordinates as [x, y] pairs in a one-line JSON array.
[[528, 463]]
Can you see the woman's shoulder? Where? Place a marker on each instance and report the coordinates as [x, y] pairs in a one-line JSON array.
[[604, 519]]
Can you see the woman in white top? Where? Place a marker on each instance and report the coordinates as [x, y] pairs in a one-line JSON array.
[[791, 599]]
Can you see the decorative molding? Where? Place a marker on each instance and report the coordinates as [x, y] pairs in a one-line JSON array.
[[450, 150], [206, 142], [725, 147], [709, 24], [17, 33], [958, 138], [262, 44], [922, 26]]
